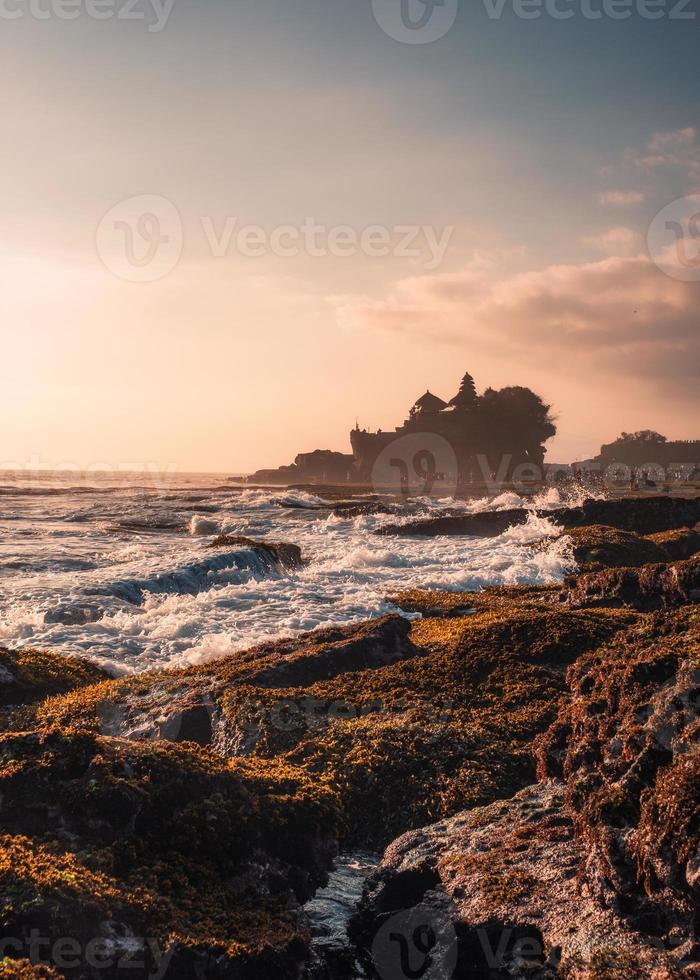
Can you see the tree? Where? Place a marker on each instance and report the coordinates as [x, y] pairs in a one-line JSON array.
[[644, 435], [516, 418]]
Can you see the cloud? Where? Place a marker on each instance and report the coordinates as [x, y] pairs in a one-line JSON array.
[[671, 141], [614, 241], [676, 150], [620, 318], [619, 198]]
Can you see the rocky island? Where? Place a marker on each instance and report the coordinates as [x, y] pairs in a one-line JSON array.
[[526, 758]]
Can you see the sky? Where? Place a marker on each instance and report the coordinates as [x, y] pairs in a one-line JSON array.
[[229, 228]]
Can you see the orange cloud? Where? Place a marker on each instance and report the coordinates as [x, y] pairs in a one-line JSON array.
[[619, 317], [614, 241]]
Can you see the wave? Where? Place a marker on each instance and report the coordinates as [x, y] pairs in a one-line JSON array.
[[204, 525], [225, 568], [158, 599]]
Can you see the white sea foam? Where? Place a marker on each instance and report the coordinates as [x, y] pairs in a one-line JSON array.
[[203, 525], [134, 585]]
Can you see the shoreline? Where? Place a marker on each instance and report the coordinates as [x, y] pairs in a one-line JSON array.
[[502, 745]]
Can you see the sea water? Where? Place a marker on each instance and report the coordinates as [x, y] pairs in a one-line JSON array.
[[120, 570]]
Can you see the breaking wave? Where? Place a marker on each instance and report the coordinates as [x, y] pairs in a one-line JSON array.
[[134, 586]]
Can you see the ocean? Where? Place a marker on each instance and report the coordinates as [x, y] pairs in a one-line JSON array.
[[119, 569]]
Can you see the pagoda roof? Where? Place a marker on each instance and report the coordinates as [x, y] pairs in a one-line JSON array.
[[429, 403]]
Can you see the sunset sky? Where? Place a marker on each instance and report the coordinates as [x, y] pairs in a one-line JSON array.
[[547, 145]]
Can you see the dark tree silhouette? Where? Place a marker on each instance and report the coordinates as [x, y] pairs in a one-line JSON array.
[[516, 419], [644, 435]]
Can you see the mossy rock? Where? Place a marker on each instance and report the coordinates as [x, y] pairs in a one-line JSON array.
[[627, 745], [679, 544], [204, 856], [12, 969], [421, 739], [32, 675], [184, 705], [646, 588], [496, 600], [598, 546], [498, 885], [282, 552]]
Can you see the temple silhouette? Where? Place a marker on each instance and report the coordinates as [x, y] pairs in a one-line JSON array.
[[489, 434]]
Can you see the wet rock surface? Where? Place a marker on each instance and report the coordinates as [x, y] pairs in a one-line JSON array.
[[328, 914], [529, 756], [642, 515], [288, 555], [648, 588], [599, 546], [361, 508], [31, 675], [627, 744], [186, 860], [494, 892], [679, 543], [488, 524], [179, 704], [424, 737]]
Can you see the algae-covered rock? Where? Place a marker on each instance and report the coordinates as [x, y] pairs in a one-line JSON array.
[[644, 515], [627, 744], [165, 852], [595, 872], [485, 524], [424, 737], [496, 600], [32, 675], [185, 705], [650, 587], [11, 969], [118, 827], [288, 555], [404, 722], [678, 544], [493, 893], [597, 546]]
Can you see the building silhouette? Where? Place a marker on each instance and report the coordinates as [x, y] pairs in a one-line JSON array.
[[490, 434]]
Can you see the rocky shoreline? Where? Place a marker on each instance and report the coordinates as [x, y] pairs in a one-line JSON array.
[[527, 756]]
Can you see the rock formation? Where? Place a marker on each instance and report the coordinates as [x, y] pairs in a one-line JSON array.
[[529, 757]]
